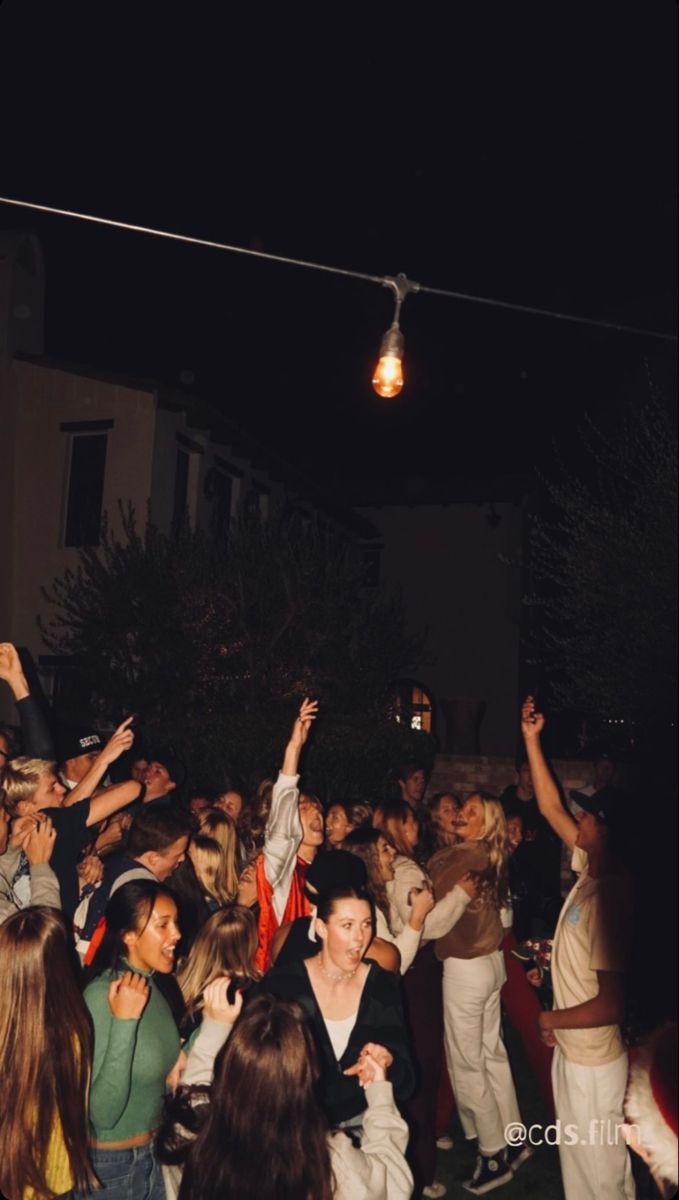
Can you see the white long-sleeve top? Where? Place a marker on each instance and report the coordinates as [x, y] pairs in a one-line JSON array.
[[282, 840], [378, 1171], [407, 942], [445, 913]]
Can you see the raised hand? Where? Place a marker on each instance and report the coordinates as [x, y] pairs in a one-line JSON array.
[[300, 730], [119, 741], [532, 722], [128, 996], [38, 842], [10, 664], [216, 1004], [12, 671]]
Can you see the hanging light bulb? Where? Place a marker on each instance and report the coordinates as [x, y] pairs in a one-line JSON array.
[[388, 376]]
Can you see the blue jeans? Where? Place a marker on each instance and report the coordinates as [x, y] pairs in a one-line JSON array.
[[132, 1174]]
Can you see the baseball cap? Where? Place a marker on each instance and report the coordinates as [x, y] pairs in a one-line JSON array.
[[74, 742], [608, 805]]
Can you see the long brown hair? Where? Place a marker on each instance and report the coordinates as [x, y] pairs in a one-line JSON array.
[[363, 843], [390, 817], [226, 945], [45, 1054], [265, 1137]]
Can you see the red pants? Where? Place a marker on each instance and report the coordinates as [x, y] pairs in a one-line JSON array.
[[522, 1006], [423, 1004]]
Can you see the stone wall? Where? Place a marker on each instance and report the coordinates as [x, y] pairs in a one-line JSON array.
[[463, 774]]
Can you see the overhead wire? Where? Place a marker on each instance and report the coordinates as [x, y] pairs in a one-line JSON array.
[[383, 280]]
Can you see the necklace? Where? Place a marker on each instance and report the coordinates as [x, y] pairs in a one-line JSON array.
[[341, 978]]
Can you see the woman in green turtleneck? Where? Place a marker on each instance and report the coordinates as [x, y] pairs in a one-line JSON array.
[[136, 1043]]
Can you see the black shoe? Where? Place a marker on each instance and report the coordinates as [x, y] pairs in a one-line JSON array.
[[491, 1172], [516, 1156]]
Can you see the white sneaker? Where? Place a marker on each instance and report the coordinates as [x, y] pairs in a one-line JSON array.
[[434, 1190], [445, 1142]]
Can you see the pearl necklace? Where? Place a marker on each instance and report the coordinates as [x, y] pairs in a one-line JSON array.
[[341, 978]]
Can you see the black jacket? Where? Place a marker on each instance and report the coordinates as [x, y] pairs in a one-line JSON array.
[[379, 1019]]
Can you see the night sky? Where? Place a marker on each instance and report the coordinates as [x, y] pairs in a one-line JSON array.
[[525, 152]]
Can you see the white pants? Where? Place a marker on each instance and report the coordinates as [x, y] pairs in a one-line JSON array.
[[590, 1099], [479, 1069]]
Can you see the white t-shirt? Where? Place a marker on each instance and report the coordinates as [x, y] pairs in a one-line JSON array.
[[591, 935], [339, 1033]]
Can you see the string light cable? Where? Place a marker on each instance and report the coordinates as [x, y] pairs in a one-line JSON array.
[[388, 378]]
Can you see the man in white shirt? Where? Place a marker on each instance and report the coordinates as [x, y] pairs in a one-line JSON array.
[[589, 1070]]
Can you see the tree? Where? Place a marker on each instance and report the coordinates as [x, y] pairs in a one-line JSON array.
[[605, 565], [213, 643]]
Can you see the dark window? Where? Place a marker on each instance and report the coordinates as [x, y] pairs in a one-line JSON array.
[[181, 483], [414, 706], [85, 490], [221, 511]]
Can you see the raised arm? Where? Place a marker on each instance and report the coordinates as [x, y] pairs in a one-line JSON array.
[[284, 830], [110, 800], [300, 732], [37, 739], [546, 791], [118, 743]]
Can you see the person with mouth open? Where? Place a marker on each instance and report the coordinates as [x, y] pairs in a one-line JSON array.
[[136, 1043], [349, 1005], [294, 835], [473, 975], [590, 957]]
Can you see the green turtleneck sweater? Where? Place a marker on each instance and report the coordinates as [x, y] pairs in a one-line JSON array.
[[131, 1061]]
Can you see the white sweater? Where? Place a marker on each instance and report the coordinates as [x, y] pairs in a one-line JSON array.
[[378, 1171], [445, 913]]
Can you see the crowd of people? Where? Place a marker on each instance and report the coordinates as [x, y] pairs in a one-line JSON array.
[[232, 995]]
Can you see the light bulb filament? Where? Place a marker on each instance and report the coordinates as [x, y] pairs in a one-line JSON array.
[[388, 377]]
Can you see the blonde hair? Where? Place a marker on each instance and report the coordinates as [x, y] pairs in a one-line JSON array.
[[20, 779], [220, 827], [225, 945], [210, 867], [494, 881]]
